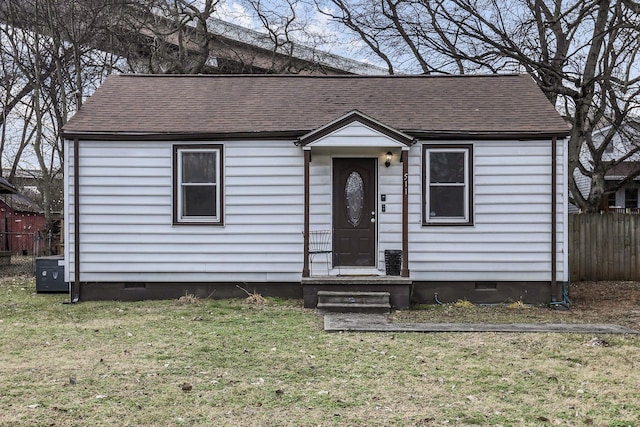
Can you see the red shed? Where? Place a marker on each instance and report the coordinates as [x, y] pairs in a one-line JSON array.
[[22, 225]]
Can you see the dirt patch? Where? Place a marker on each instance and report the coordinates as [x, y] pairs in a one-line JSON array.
[[606, 302], [616, 303]]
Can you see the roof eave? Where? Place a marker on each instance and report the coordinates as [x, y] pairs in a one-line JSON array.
[[295, 134], [502, 135], [6, 187], [191, 136]]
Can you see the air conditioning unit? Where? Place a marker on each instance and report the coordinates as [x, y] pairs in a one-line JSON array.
[[50, 274]]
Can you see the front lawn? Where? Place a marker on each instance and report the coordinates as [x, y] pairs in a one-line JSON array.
[[227, 363]]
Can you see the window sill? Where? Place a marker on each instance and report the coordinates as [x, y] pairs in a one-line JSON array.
[[198, 223], [447, 223]]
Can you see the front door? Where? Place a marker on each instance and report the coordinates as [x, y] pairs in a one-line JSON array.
[[354, 213]]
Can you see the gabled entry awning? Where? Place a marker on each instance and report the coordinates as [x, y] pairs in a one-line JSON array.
[[355, 129]]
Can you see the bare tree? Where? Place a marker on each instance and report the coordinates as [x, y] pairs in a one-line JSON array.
[[48, 63], [55, 52], [287, 26], [582, 53], [183, 36], [165, 36]]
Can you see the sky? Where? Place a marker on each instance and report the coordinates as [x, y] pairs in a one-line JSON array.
[[319, 26]]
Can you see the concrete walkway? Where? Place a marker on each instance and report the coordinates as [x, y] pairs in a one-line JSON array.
[[337, 322]]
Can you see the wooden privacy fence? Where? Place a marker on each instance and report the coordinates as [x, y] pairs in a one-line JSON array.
[[604, 246]]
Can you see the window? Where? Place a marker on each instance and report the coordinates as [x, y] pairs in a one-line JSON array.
[[447, 186], [197, 184], [631, 198]]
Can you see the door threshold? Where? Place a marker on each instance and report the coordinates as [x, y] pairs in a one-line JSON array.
[[357, 272]]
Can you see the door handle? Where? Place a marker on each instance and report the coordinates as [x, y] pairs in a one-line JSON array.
[[373, 216]]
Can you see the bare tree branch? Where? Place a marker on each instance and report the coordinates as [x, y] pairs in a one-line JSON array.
[[582, 54]]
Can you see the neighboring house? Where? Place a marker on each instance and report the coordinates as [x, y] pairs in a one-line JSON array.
[[29, 182], [624, 199], [5, 255], [22, 224], [198, 184], [627, 138]]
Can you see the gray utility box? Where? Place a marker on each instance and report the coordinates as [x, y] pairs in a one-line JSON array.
[[50, 274]]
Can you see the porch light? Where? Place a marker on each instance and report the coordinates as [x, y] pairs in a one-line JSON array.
[[387, 163]]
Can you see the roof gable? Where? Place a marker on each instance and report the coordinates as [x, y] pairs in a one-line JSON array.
[[277, 106], [355, 130]]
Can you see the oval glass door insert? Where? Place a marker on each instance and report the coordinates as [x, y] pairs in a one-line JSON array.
[[354, 197]]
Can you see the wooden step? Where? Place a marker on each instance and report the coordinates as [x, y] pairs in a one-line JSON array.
[[353, 302]]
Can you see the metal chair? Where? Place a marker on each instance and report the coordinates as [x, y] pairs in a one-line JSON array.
[[319, 243]]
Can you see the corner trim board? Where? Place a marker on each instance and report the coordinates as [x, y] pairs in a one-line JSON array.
[[74, 290], [556, 293], [305, 263]]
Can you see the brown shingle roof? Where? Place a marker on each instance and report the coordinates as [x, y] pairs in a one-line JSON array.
[[621, 170], [294, 105], [21, 203]]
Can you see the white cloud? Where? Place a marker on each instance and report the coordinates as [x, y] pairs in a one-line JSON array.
[[235, 13]]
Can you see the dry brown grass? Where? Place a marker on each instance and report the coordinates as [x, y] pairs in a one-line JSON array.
[[225, 363], [253, 298], [188, 299]]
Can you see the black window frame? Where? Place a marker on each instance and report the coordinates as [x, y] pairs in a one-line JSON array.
[[178, 217], [468, 219]]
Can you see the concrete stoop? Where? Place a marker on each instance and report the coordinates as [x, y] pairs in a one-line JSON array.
[[398, 288], [354, 302]]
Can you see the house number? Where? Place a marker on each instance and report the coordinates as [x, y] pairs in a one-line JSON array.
[[406, 184]]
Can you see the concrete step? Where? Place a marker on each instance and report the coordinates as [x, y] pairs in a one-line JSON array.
[[353, 302], [353, 297]]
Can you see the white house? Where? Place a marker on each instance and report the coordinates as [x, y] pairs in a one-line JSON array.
[[201, 183], [623, 148]]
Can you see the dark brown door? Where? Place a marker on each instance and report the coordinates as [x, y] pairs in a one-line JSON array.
[[354, 212]]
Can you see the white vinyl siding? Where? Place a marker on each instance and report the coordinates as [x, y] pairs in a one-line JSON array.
[[127, 234], [510, 239], [126, 208]]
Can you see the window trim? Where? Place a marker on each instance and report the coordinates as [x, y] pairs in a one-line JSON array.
[[469, 174], [178, 149]]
